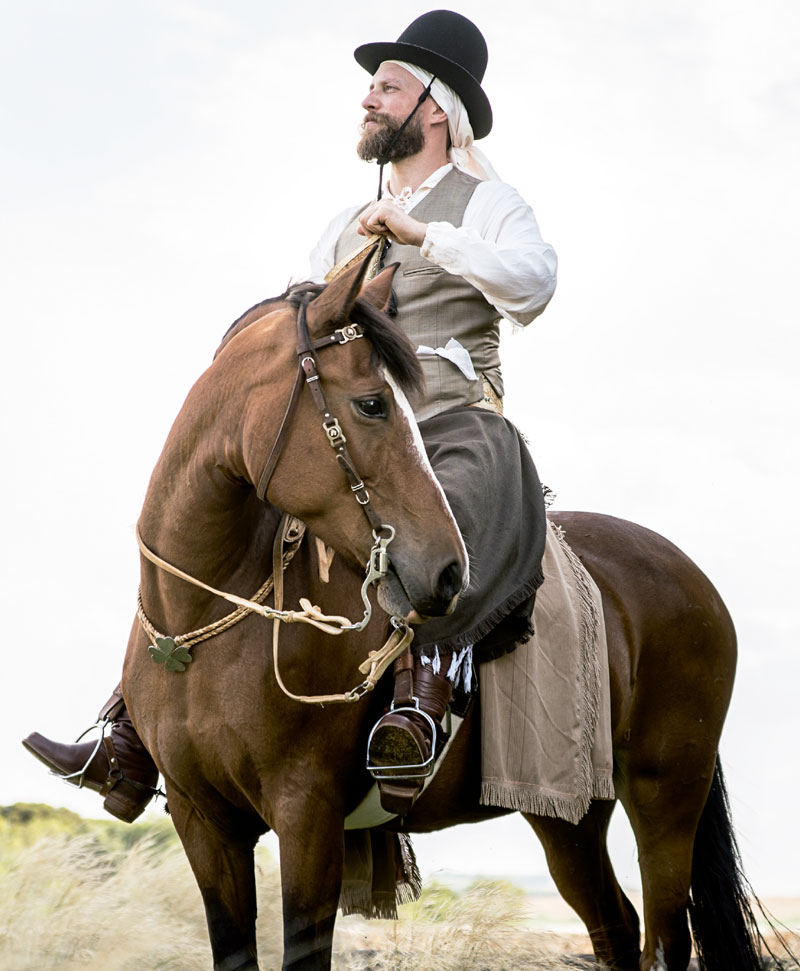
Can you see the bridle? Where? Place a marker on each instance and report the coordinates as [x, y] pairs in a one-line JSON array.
[[308, 374], [173, 651]]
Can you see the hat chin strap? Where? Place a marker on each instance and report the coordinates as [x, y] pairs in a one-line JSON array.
[[384, 158]]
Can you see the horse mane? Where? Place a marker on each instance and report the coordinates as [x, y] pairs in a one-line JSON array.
[[391, 347], [256, 312]]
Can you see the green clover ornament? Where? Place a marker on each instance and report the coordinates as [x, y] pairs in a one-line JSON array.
[[165, 651]]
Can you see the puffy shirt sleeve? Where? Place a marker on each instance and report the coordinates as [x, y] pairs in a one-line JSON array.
[[499, 250]]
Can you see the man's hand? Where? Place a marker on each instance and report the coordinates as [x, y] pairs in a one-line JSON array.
[[387, 219]]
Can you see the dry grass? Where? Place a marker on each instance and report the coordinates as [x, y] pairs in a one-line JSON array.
[[483, 929], [67, 904], [71, 903]]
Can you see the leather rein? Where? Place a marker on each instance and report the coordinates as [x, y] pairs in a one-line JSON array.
[[173, 651]]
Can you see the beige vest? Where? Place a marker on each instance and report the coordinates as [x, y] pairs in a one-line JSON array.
[[434, 305]]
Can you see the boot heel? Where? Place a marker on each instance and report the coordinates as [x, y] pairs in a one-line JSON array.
[[122, 807]]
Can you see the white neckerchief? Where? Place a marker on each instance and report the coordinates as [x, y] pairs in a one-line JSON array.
[[406, 199]]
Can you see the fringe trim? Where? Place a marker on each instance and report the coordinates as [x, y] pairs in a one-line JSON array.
[[545, 802], [534, 800], [461, 668], [410, 888], [358, 897], [589, 699], [459, 641], [435, 661], [603, 788]]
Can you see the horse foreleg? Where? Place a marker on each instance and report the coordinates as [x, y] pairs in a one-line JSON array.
[[578, 860], [312, 855], [224, 869]]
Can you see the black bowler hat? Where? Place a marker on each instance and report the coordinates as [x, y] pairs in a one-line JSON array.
[[449, 46]]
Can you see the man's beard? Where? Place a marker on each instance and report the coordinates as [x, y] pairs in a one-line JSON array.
[[373, 144]]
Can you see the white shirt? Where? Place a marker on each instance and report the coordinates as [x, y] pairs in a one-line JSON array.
[[497, 248]]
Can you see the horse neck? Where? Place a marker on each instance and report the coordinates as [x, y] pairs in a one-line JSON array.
[[200, 518]]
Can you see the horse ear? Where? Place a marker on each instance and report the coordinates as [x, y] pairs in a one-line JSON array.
[[378, 291], [336, 301]]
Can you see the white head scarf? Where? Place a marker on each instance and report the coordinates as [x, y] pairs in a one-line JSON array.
[[463, 153]]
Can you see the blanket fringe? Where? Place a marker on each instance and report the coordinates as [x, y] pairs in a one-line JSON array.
[[544, 802], [359, 896], [410, 888], [363, 902], [535, 801], [603, 788], [589, 696]]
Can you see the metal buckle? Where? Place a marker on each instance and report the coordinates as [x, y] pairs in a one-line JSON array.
[[334, 432], [346, 334], [361, 497]]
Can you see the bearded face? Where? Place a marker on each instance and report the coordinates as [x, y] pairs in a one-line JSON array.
[[377, 132]]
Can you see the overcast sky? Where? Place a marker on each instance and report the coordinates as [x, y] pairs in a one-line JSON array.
[[165, 165]]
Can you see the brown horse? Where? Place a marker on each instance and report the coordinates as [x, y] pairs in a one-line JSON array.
[[238, 756]]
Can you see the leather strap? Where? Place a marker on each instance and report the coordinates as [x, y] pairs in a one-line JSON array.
[[404, 679], [114, 770], [280, 439], [308, 373], [112, 709]]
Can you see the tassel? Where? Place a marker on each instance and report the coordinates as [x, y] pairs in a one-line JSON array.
[[461, 667]]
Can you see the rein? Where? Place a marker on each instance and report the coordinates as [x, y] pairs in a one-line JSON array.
[[173, 652]]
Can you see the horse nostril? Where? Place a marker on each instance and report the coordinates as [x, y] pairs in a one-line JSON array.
[[450, 581]]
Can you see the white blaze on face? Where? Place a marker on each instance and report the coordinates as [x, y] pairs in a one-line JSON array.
[[408, 413]]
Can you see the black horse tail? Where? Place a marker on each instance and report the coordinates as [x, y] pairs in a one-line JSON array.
[[724, 924]]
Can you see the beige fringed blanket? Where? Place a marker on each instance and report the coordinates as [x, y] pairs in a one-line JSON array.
[[546, 722]]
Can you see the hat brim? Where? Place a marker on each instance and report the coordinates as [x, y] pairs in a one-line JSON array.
[[371, 56]]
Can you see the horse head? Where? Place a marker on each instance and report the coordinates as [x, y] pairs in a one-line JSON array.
[[354, 391]]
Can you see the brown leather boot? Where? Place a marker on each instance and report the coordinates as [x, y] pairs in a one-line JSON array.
[[120, 769], [401, 745]]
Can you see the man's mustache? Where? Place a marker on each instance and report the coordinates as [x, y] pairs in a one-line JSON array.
[[380, 119]]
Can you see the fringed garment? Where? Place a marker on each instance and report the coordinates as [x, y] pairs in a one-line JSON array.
[[490, 481]]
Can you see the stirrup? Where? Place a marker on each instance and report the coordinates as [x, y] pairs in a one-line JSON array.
[[115, 773], [418, 770], [79, 774]]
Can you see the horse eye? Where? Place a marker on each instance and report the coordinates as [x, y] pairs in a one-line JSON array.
[[372, 407]]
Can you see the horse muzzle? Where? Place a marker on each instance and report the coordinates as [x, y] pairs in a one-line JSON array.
[[405, 596]]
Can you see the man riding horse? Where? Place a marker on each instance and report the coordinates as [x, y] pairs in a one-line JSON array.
[[469, 252]]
